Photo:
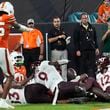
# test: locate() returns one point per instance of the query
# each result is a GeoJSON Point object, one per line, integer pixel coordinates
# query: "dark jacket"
{"type": "Point", "coordinates": [85, 39]}
{"type": "Point", "coordinates": [60, 44]}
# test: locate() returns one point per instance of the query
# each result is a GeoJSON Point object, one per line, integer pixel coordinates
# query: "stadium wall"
{"type": "Point", "coordinates": [44, 10]}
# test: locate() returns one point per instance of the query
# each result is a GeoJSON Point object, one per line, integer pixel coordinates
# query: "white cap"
{"type": "Point", "coordinates": [30, 21]}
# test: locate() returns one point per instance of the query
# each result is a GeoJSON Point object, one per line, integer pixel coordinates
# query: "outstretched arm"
{"type": "Point", "coordinates": [105, 35]}
{"type": "Point", "coordinates": [21, 27]}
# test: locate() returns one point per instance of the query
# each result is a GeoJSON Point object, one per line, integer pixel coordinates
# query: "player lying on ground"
{"type": "Point", "coordinates": [90, 84]}
{"type": "Point", "coordinates": [47, 75]}
{"type": "Point", "coordinates": [36, 91]}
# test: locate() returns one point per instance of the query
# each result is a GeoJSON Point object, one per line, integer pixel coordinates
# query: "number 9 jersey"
{"type": "Point", "coordinates": [6, 22]}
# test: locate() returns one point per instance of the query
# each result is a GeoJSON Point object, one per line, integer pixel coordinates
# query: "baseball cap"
{"type": "Point", "coordinates": [30, 21]}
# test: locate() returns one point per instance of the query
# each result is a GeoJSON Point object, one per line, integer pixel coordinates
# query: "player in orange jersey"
{"type": "Point", "coordinates": [7, 20]}
{"type": "Point", "coordinates": [18, 63]}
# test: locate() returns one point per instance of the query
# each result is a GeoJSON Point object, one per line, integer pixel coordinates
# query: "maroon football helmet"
{"type": "Point", "coordinates": [103, 63]}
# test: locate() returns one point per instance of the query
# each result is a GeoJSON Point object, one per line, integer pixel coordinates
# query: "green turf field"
{"type": "Point", "coordinates": [87, 106]}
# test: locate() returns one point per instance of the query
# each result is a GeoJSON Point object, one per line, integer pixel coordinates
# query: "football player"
{"type": "Point", "coordinates": [34, 92]}
{"type": "Point", "coordinates": [47, 75]}
{"type": "Point", "coordinates": [89, 83]}
{"type": "Point", "coordinates": [103, 77]}
{"type": "Point", "coordinates": [30, 93]}
{"type": "Point", "coordinates": [18, 63]}
{"type": "Point", "coordinates": [49, 84]}
{"type": "Point", "coordinates": [27, 91]}
{"type": "Point", "coordinates": [7, 20]}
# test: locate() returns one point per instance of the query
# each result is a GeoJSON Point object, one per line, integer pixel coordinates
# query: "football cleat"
{"type": "Point", "coordinates": [5, 105]}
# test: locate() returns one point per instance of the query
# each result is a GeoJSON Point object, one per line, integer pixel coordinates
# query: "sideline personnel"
{"type": "Point", "coordinates": [57, 39]}
{"type": "Point", "coordinates": [86, 46]}
{"type": "Point", "coordinates": [33, 46]}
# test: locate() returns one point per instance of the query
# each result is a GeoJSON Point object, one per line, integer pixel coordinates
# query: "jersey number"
{"type": "Point", "coordinates": [2, 31]}
{"type": "Point", "coordinates": [105, 80]}
{"type": "Point", "coordinates": [14, 95]}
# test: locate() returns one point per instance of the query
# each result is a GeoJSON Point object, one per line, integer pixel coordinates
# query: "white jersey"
{"type": "Point", "coordinates": [104, 79]}
{"type": "Point", "coordinates": [48, 76]}
{"type": "Point", "coordinates": [16, 96]}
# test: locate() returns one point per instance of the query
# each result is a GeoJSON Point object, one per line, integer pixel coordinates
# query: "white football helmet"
{"type": "Point", "coordinates": [7, 7]}
{"type": "Point", "coordinates": [16, 58]}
